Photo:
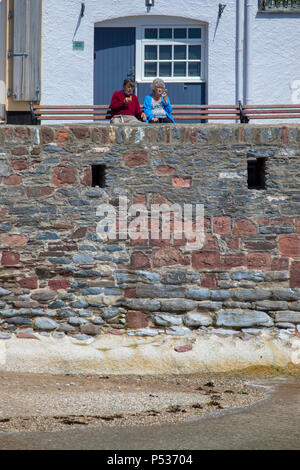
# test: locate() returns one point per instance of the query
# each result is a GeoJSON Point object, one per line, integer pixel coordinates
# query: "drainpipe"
{"type": "Point", "coordinates": [238, 52]}
{"type": "Point", "coordinates": [247, 51]}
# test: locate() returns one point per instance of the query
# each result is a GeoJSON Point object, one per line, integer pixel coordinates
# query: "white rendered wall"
{"type": "Point", "coordinates": [67, 75]}
{"type": "Point", "coordinates": [2, 55]}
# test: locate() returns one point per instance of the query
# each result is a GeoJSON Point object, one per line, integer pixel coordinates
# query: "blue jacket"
{"type": "Point", "coordinates": [148, 108]}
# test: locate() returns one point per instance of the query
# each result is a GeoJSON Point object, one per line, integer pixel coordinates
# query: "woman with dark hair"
{"type": "Point", "coordinates": [157, 105]}
{"type": "Point", "coordinates": [124, 105]}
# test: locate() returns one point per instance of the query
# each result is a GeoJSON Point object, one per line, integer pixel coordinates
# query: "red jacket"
{"type": "Point", "coordinates": [118, 106]}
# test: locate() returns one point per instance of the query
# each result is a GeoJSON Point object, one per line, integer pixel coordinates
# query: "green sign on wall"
{"type": "Point", "coordinates": [78, 45]}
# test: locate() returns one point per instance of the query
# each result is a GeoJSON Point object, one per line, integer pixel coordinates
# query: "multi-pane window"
{"type": "Point", "coordinates": [173, 52]}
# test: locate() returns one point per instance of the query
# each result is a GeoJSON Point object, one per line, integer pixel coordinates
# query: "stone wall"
{"type": "Point", "coordinates": [58, 276]}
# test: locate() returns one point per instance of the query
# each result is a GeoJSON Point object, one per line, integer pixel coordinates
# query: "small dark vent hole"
{"type": "Point", "coordinates": [256, 173]}
{"type": "Point", "coordinates": [98, 175]}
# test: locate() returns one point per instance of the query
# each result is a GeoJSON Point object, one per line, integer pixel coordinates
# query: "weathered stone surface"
{"type": "Point", "coordinates": [141, 304]}
{"type": "Point", "coordinates": [288, 316]}
{"type": "Point", "coordinates": [4, 292]}
{"type": "Point", "coordinates": [286, 294]}
{"type": "Point", "coordinates": [42, 323]}
{"type": "Point", "coordinates": [197, 319]}
{"type": "Point", "coordinates": [272, 305]}
{"type": "Point", "coordinates": [250, 294]}
{"type": "Point", "coordinates": [160, 291]}
{"type": "Point", "coordinates": [164, 319]}
{"type": "Point", "coordinates": [43, 295]}
{"type": "Point", "coordinates": [178, 305]}
{"type": "Point", "coordinates": [243, 318]}
{"type": "Point", "coordinates": [198, 294]}
{"type": "Point", "coordinates": [90, 329]}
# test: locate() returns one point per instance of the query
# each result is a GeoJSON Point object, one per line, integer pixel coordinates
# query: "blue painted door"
{"type": "Point", "coordinates": [179, 93]}
{"type": "Point", "coordinates": [114, 60]}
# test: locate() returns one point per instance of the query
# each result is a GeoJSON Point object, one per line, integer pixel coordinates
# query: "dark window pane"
{"type": "Point", "coordinates": [179, 52]}
{"type": "Point", "coordinates": [194, 69]}
{"type": "Point", "coordinates": [165, 69]}
{"type": "Point", "coordinates": [150, 52]}
{"type": "Point", "coordinates": [150, 69]}
{"type": "Point", "coordinates": [165, 52]}
{"type": "Point", "coordinates": [150, 33]}
{"type": "Point", "coordinates": [179, 33]}
{"type": "Point", "coordinates": [179, 69]}
{"type": "Point", "coordinates": [194, 33]}
{"type": "Point", "coordinates": [195, 52]}
{"type": "Point", "coordinates": [165, 33]}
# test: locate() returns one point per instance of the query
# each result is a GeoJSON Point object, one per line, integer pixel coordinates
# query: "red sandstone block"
{"type": "Point", "coordinates": [61, 136]}
{"type": "Point", "coordinates": [130, 293]}
{"type": "Point", "coordinates": [63, 175]}
{"type": "Point", "coordinates": [135, 158]}
{"type": "Point", "coordinates": [81, 132]}
{"type": "Point", "coordinates": [19, 164]}
{"type": "Point", "coordinates": [136, 319]}
{"type": "Point", "coordinates": [39, 191]}
{"type": "Point", "coordinates": [21, 132]}
{"type": "Point", "coordinates": [207, 225]}
{"type": "Point", "coordinates": [29, 282]}
{"type": "Point", "coordinates": [47, 134]}
{"type": "Point", "coordinates": [87, 177]}
{"type": "Point", "coordinates": [211, 243]}
{"type": "Point", "coordinates": [258, 261]}
{"type": "Point", "coordinates": [79, 233]}
{"type": "Point", "coordinates": [279, 264]}
{"type": "Point", "coordinates": [183, 348]}
{"type": "Point", "coordinates": [222, 225]}
{"type": "Point", "coordinates": [168, 256]}
{"type": "Point", "coordinates": [244, 227]}
{"type": "Point", "coordinates": [297, 224]}
{"type": "Point", "coordinates": [25, 335]}
{"type": "Point", "coordinates": [233, 260]}
{"type": "Point", "coordinates": [19, 151]}
{"type": "Point", "coordinates": [9, 258]}
{"type": "Point", "coordinates": [13, 180]}
{"type": "Point", "coordinates": [285, 135]}
{"type": "Point", "coordinates": [182, 181]}
{"type": "Point", "coordinates": [263, 221]}
{"type": "Point", "coordinates": [13, 240]}
{"type": "Point", "coordinates": [295, 274]}
{"type": "Point", "coordinates": [139, 199]}
{"type": "Point", "coordinates": [139, 260]}
{"type": "Point", "coordinates": [56, 284]}
{"type": "Point", "coordinates": [233, 243]}
{"type": "Point", "coordinates": [289, 245]}
{"type": "Point", "coordinates": [141, 240]}
{"type": "Point", "coordinates": [206, 260]}
{"type": "Point", "coordinates": [209, 280]}
{"type": "Point", "coordinates": [164, 170]}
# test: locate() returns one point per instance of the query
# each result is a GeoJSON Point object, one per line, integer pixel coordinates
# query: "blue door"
{"type": "Point", "coordinates": [114, 60]}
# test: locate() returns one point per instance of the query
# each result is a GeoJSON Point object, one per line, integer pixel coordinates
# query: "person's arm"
{"type": "Point", "coordinates": [148, 108]}
{"type": "Point", "coordinates": [167, 106]}
{"type": "Point", "coordinates": [117, 103]}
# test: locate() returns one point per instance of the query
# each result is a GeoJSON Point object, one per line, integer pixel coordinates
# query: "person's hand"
{"type": "Point", "coordinates": [128, 99]}
{"type": "Point", "coordinates": [154, 120]}
{"type": "Point", "coordinates": [143, 116]}
{"type": "Point", "coordinates": [164, 95]}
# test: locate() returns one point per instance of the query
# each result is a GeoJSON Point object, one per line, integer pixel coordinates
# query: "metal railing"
{"type": "Point", "coordinates": [279, 5]}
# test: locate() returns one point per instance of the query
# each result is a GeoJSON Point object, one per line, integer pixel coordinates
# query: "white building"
{"type": "Point", "coordinates": [206, 52]}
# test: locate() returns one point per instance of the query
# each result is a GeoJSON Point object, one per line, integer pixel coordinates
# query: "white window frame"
{"type": "Point", "coordinates": [141, 42]}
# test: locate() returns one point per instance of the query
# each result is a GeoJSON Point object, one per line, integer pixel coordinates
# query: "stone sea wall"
{"type": "Point", "coordinates": [59, 277]}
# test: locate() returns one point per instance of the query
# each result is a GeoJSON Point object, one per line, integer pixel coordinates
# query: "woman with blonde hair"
{"type": "Point", "coordinates": [157, 106]}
